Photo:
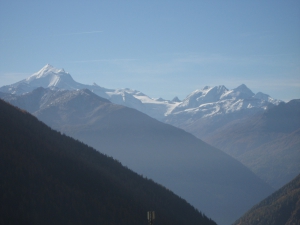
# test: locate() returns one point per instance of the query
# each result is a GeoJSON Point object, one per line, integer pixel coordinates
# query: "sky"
{"type": "Point", "coordinates": [161, 48]}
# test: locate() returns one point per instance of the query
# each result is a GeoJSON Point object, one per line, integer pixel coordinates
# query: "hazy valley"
{"type": "Point", "coordinates": [49, 178]}
{"type": "Point", "coordinates": [258, 136]}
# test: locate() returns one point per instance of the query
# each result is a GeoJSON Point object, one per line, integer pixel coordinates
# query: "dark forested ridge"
{"type": "Point", "coordinates": [206, 177]}
{"type": "Point", "coordinates": [49, 178]}
{"type": "Point", "coordinates": [280, 208]}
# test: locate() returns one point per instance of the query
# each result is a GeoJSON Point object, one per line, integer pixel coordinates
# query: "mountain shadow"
{"type": "Point", "coordinates": [280, 208]}
{"type": "Point", "coordinates": [209, 179]}
{"type": "Point", "coordinates": [49, 178]}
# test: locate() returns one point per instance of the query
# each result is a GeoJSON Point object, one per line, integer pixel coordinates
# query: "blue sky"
{"type": "Point", "coordinates": [162, 48]}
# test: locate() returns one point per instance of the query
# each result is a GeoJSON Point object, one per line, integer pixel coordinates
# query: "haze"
{"type": "Point", "coordinates": [162, 48]}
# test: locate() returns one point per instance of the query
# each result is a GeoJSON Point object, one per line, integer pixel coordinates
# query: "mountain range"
{"type": "Point", "coordinates": [207, 102]}
{"type": "Point", "coordinates": [236, 121]}
{"type": "Point", "coordinates": [205, 176]}
{"type": "Point", "coordinates": [49, 178]}
{"type": "Point", "coordinates": [205, 110]}
{"type": "Point", "coordinates": [209, 114]}
{"type": "Point", "coordinates": [54, 79]}
{"type": "Point", "coordinates": [268, 143]}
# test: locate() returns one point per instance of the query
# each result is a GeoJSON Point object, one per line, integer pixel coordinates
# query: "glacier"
{"type": "Point", "coordinates": [201, 103]}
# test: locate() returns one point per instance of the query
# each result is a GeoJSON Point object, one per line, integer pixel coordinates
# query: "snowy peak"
{"type": "Point", "coordinates": [241, 92]}
{"type": "Point", "coordinates": [47, 67]}
{"type": "Point", "coordinates": [176, 99]}
{"type": "Point", "coordinates": [214, 94]}
{"type": "Point", "coordinates": [44, 72]}
{"type": "Point", "coordinates": [206, 101]}
{"type": "Point", "coordinates": [262, 96]}
{"type": "Point", "coordinates": [49, 76]}
{"type": "Point", "coordinates": [267, 98]}
{"type": "Point", "coordinates": [217, 100]}
{"type": "Point", "coordinates": [205, 95]}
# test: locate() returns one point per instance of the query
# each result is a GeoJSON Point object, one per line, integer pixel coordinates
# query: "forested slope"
{"type": "Point", "coordinates": [49, 178]}
{"type": "Point", "coordinates": [280, 208]}
{"type": "Point", "coordinates": [206, 177]}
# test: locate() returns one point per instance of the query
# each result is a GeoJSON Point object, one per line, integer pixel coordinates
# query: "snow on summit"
{"type": "Point", "coordinates": [208, 101]}
{"type": "Point", "coordinates": [49, 76]}
{"type": "Point", "coordinates": [45, 71]}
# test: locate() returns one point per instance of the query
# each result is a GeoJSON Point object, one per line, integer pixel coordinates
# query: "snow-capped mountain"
{"type": "Point", "coordinates": [164, 153]}
{"type": "Point", "coordinates": [48, 76]}
{"type": "Point", "coordinates": [221, 100]}
{"type": "Point", "coordinates": [206, 102]}
{"type": "Point", "coordinates": [59, 79]}
{"type": "Point", "coordinates": [207, 109]}
{"type": "Point", "coordinates": [52, 78]}
{"type": "Point", "coordinates": [156, 108]}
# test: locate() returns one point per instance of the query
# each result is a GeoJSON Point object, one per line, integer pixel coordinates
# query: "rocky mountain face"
{"type": "Point", "coordinates": [206, 177]}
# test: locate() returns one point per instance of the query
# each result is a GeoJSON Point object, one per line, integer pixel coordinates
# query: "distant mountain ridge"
{"type": "Point", "coordinates": [204, 113]}
{"type": "Point", "coordinates": [268, 143]}
{"type": "Point", "coordinates": [209, 101]}
{"type": "Point", "coordinates": [206, 177]}
{"type": "Point", "coordinates": [52, 78]}
{"type": "Point", "coordinates": [205, 110]}
{"type": "Point", "coordinates": [215, 114]}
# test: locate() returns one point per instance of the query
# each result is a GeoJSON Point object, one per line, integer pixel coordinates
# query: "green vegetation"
{"type": "Point", "coordinates": [281, 208]}
{"type": "Point", "coordinates": [49, 178]}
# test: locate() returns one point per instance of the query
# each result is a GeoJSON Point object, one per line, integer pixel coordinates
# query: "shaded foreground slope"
{"type": "Point", "coordinates": [281, 208]}
{"type": "Point", "coordinates": [206, 177]}
{"type": "Point", "coordinates": [49, 178]}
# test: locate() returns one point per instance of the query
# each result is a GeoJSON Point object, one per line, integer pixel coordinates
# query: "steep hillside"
{"type": "Point", "coordinates": [281, 208]}
{"type": "Point", "coordinates": [210, 180]}
{"type": "Point", "coordinates": [268, 143]}
{"type": "Point", "coordinates": [49, 178]}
